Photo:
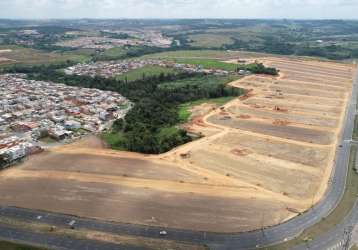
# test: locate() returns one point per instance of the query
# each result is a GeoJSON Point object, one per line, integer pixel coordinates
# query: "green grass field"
{"type": "Point", "coordinates": [4, 245]}
{"type": "Point", "coordinates": [208, 63]}
{"type": "Point", "coordinates": [115, 53]}
{"type": "Point", "coordinates": [338, 214]}
{"type": "Point", "coordinates": [209, 40]}
{"type": "Point", "coordinates": [113, 140]}
{"type": "Point", "coordinates": [200, 82]}
{"type": "Point", "coordinates": [184, 109]}
{"type": "Point", "coordinates": [146, 71]}
{"type": "Point", "coordinates": [27, 56]}
{"type": "Point", "coordinates": [209, 59]}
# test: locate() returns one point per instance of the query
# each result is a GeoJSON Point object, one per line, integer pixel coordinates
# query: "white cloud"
{"type": "Point", "coordinates": [178, 8]}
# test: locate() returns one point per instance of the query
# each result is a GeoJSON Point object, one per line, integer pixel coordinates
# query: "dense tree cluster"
{"type": "Point", "coordinates": [150, 128]}
{"type": "Point", "coordinates": [259, 68]}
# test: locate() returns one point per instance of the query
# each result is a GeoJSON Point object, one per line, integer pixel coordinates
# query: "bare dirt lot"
{"type": "Point", "coordinates": [4, 60]}
{"type": "Point", "coordinates": [263, 156]}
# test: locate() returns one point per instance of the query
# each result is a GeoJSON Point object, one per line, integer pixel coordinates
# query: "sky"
{"type": "Point", "coordinates": [295, 9]}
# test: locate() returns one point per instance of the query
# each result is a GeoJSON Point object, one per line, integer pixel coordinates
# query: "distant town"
{"type": "Point", "coordinates": [132, 38]}
{"type": "Point", "coordinates": [34, 110]}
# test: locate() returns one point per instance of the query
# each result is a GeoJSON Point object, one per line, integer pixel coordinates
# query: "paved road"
{"type": "Point", "coordinates": [249, 240]}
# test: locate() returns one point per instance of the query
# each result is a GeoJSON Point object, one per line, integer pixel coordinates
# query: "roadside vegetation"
{"type": "Point", "coordinates": [5, 245]}
{"type": "Point", "coordinates": [355, 129]}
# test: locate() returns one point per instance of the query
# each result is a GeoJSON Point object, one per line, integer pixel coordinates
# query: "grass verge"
{"type": "Point", "coordinates": [355, 130]}
{"type": "Point", "coordinates": [338, 214]}
{"type": "Point", "coordinates": [5, 245]}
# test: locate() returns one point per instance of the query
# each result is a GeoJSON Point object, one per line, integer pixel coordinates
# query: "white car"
{"type": "Point", "coordinates": [163, 233]}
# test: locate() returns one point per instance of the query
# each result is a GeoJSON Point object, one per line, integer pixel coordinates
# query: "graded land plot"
{"type": "Point", "coordinates": [265, 157]}
{"type": "Point", "coordinates": [261, 171]}
{"type": "Point", "coordinates": [326, 110]}
{"type": "Point", "coordinates": [4, 60]}
{"type": "Point", "coordinates": [316, 78]}
{"type": "Point", "coordinates": [312, 86]}
{"type": "Point", "coordinates": [310, 99]}
{"type": "Point", "coordinates": [306, 91]}
{"type": "Point", "coordinates": [300, 118]}
{"type": "Point", "coordinates": [140, 205]}
{"type": "Point", "coordinates": [282, 129]}
{"type": "Point", "coordinates": [292, 152]}
{"type": "Point", "coordinates": [107, 165]}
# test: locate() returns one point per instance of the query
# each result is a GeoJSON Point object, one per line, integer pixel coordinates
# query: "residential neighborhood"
{"type": "Point", "coordinates": [32, 110]}
{"type": "Point", "coordinates": [98, 43]}
{"type": "Point", "coordinates": [109, 69]}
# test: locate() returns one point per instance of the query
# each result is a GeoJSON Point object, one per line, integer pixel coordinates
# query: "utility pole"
{"type": "Point", "coordinates": [347, 236]}
{"type": "Point", "coordinates": [312, 202]}
{"type": "Point", "coordinates": [263, 224]}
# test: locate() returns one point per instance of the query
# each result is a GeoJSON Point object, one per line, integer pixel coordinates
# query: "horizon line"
{"type": "Point", "coordinates": [179, 18]}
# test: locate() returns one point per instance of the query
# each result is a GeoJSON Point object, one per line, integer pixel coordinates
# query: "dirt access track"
{"type": "Point", "coordinates": [266, 157]}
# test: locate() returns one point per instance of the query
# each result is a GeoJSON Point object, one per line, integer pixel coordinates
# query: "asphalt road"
{"type": "Point", "coordinates": [248, 240]}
